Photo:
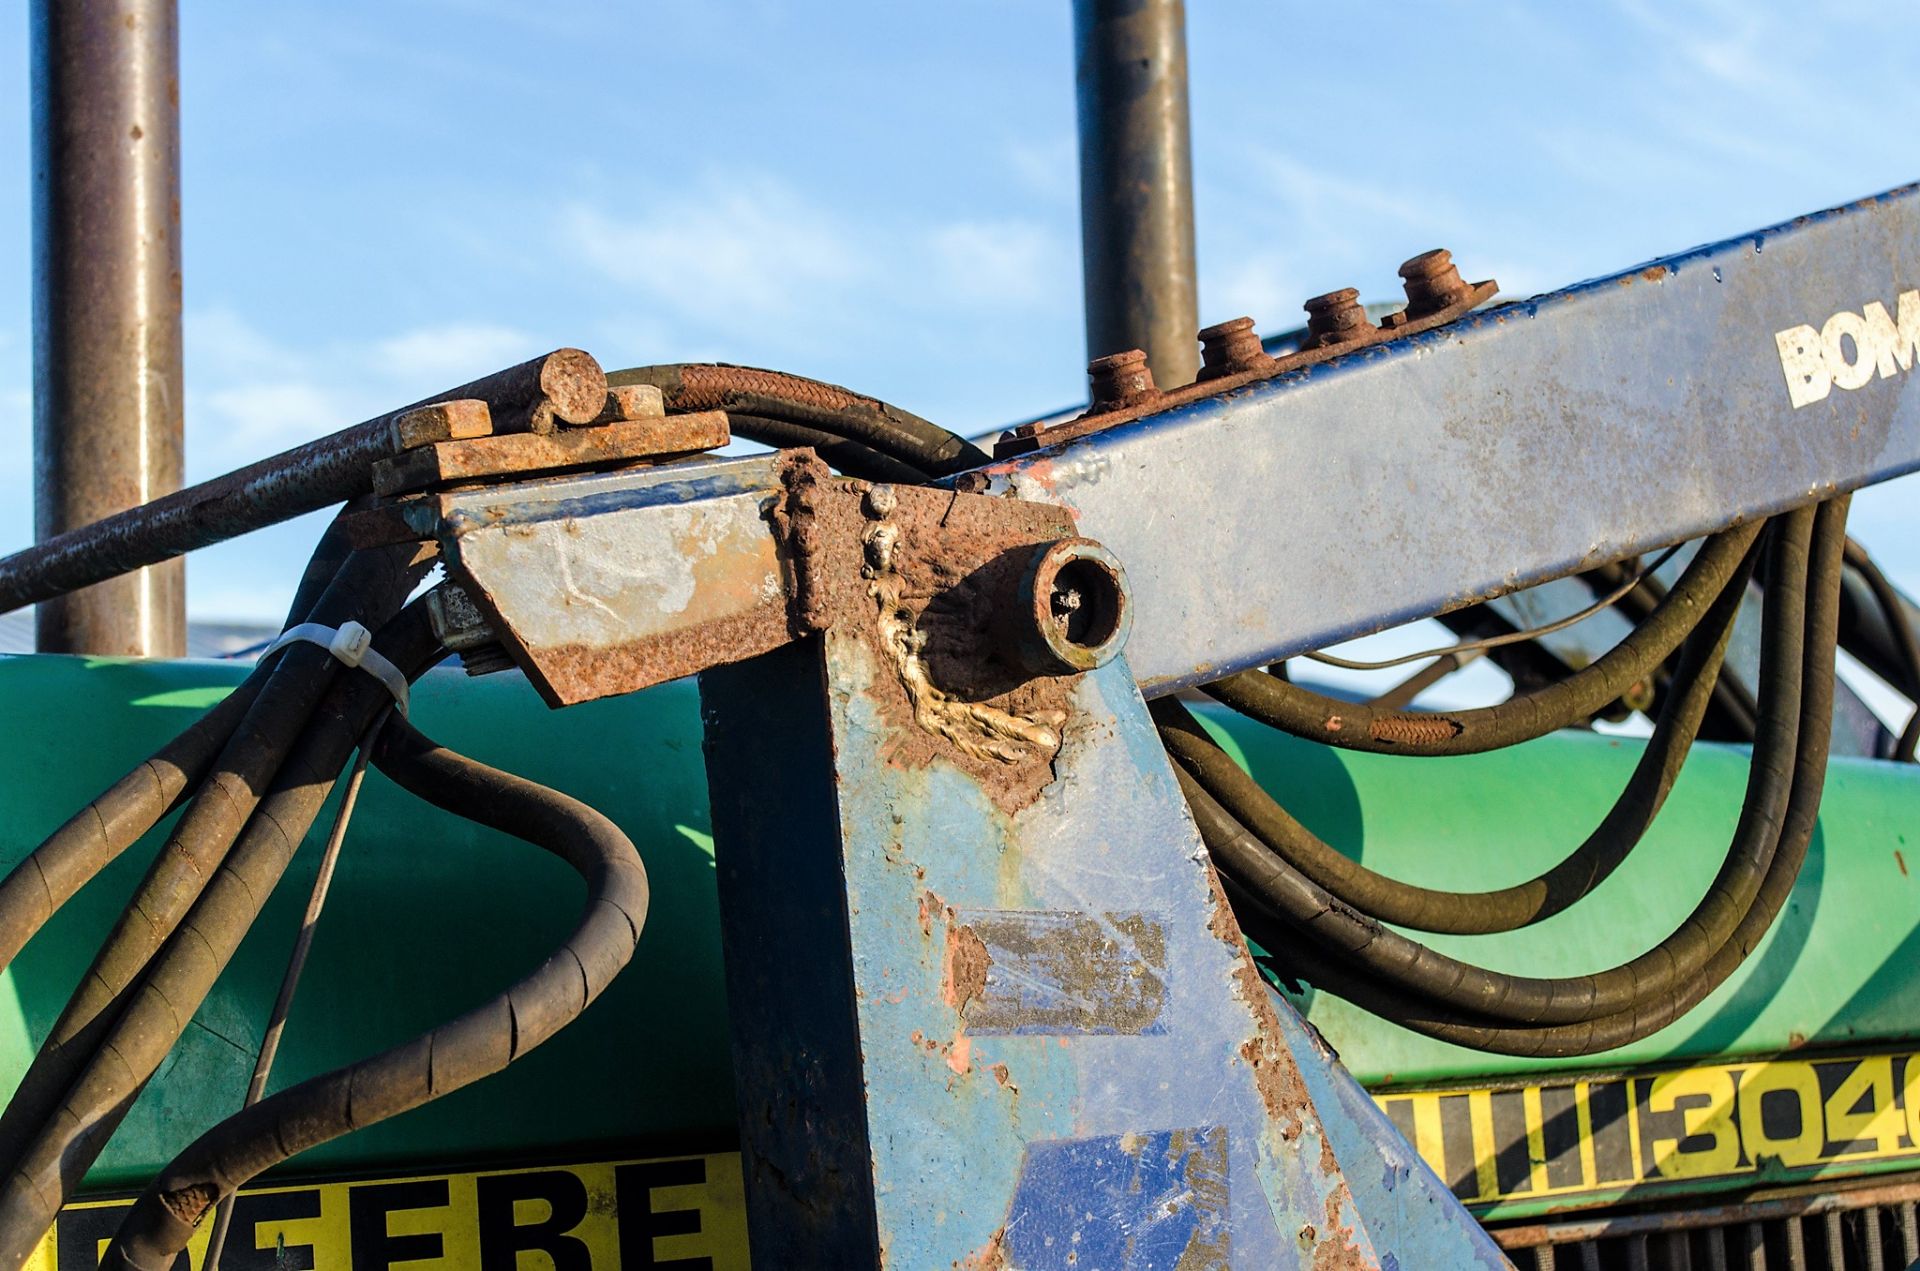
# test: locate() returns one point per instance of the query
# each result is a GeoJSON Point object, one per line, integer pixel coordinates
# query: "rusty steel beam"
{"type": "Point", "coordinates": [106, 303]}
{"type": "Point", "coordinates": [1136, 183]}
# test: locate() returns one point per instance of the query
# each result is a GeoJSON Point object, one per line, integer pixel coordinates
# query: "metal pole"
{"type": "Point", "coordinates": [1136, 183]}
{"type": "Point", "coordinates": [106, 302]}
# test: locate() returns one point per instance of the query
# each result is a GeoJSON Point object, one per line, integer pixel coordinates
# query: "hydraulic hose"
{"type": "Point", "coordinates": [1732, 713]}
{"type": "Point", "coordinates": [1417, 969]}
{"type": "Point", "coordinates": [95, 836]}
{"type": "Point", "coordinates": [1357, 726]}
{"type": "Point", "coordinates": [62, 1131]}
{"type": "Point", "coordinates": [475, 1045]}
{"type": "Point", "coordinates": [851, 458]}
{"type": "Point", "coordinates": [1480, 912]}
{"type": "Point", "coordinates": [826, 408]}
{"type": "Point", "coordinates": [369, 587]}
{"type": "Point", "coordinates": [1301, 955]}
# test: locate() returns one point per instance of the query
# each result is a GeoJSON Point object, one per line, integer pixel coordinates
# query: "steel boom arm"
{"type": "Point", "coordinates": [1516, 445]}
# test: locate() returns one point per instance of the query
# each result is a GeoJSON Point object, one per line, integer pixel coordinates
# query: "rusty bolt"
{"type": "Point", "coordinates": [1120, 379]}
{"type": "Point", "coordinates": [1072, 612]}
{"type": "Point", "coordinates": [1231, 348]}
{"type": "Point", "coordinates": [1433, 283]}
{"type": "Point", "coordinates": [1337, 318]}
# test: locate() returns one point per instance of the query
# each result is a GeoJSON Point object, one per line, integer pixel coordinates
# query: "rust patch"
{"type": "Point", "coordinates": [1333, 1247]}
{"type": "Point", "coordinates": [1275, 1075]}
{"type": "Point", "coordinates": [581, 673]}
{"type": "Point", "coordinates": [795, 518]}
{"type": "Point", "coordinates": [189, 1204]}
{"type": "Point", "coordinates": [1654, 273]}
{"type": "Point", "coordinates": [531, 453]}
{"type": "Point", "coordinates": [923, 577]}
{"type": "Point", "coordinates": [967, 963]}
{"type": "Point", "coordinates": [991, 1256]}
{"type": "Point", "coordinates": [1414, 730]}
{"type": "Point", "coordinates": [1030, 437]}
{"type": "Point", "coordinates": [1901, 861]}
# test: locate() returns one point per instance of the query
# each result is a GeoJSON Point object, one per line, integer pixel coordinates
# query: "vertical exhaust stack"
{"type": "Point", "coordinates": [107, 418]}
{"type": "Point", "coordinates": [1136, 183]}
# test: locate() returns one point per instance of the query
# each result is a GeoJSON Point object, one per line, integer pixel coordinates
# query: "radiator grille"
{"type": "Point", "coordinates": [1870, 1229]}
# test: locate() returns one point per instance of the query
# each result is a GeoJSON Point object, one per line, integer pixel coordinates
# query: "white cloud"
{"type": "Point", "coordinates": [252, 419]}
{"type": "Point", "coordinates": [744, 251]}
{"type": "Point", "coordinates": [1002, 263]}
{"type": "Point", "coordinates": [452, 354]}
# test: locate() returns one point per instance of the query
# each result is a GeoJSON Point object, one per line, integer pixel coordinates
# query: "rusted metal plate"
{"type": "Point", "coordinates": [604, 584]}
{"type": "Point", "coordinates": [530, 453]}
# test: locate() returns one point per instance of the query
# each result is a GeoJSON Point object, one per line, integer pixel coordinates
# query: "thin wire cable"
{"type": "Point", "coordinates": [297, 964]}
{"type": "Point", "coordinates": [1511, 637]}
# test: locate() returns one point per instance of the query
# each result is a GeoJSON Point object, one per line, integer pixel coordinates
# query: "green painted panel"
{"type": "Point", "coordinates": [429, 915]}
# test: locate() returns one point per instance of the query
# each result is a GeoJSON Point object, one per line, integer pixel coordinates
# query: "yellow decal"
{"type": "Point", "coordinates": [1562, 1137]}
{"type": "Point", "coordinates": [686, 1213]}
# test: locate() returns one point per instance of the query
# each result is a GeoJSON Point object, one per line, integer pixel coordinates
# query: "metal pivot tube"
{"type": "Point", "coordinates": [1513, 446]}
{"type": "Point", "coordinates": [1136, 183]}
{"type": "Point", "coordinates": [106, 303]}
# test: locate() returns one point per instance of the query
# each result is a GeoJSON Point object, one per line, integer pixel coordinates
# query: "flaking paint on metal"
{"type": "Point", "coordinates": [952, 1112]}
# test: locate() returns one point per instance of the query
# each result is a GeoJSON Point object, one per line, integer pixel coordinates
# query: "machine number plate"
{"type": "Point", "coordinates": [1753, 1121]}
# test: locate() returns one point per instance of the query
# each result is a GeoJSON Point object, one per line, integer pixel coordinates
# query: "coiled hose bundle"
{"type": "Point", "coordinates": [250, 777]}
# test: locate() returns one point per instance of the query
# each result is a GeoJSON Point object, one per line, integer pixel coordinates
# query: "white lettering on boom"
{"type": "Point", "coordinates": [1849, 349]}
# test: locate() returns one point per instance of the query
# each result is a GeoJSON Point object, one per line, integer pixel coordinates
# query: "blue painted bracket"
{"type": "Point", "coordinates": [971, 1032]}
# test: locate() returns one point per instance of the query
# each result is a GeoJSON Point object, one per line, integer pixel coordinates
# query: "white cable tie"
{"type": "Point", "coordinates": [351, 644]}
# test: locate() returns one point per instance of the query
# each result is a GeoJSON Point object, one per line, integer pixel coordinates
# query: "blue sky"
{"type": "Point", "coordinates": [384, 199]}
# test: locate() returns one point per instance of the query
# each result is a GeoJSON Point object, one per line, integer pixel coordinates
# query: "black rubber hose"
{"type": "Point", "coordinates": [1301, 956]}
{"type": "Point", "coordinates": [1732, 715]}
{"type": "Point", "coordinates": [848, 457]}
{"type": "Point", "coordinates": [1500, 909]}
{"type": "Point", "coordinates": [746, 390]}
{"type": "Point", "coordinates": [122, 1047]}
{"type": "Point", "coordinates": [329, 554]}
{"type": "Point", "coordinates": [1356, 726]}
{"type": "Point", "coordinates": [368, 588]}
{"type": "Point", "coordinates": [95, 836]}
{"type": "Point", "coordinates": [1417, 969]}
{"type": "Point", "coordinates": [475, 1045]}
